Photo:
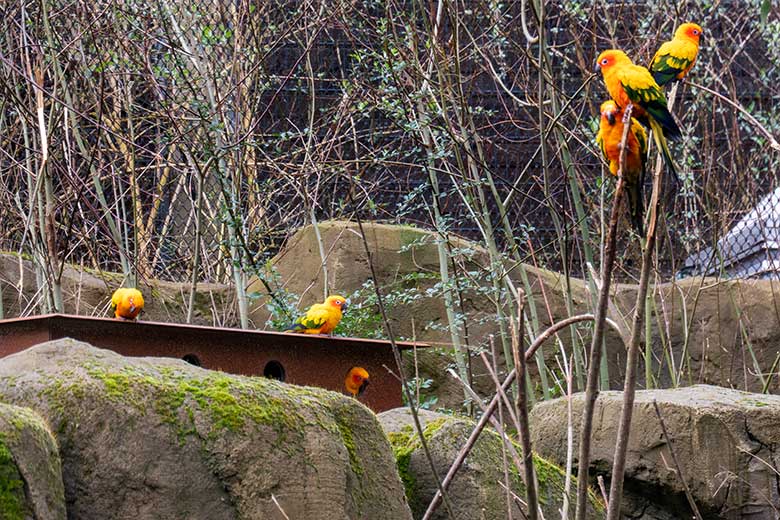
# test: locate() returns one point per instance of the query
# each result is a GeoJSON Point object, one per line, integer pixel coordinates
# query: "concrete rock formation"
{"type": "Point", "coordinates": [715, 326]}
{"type": "Point", "coordinates": [475, 493]}
{"type": "Point", "coordinates": [30, 471]}
{"type": "Point", "coordinates": [726, 441]}
{"type": "Point", "coordinates": [159, 438]}
{"type": "Point", "coordinates": [88, 292]}
{"type": "Point", "coordinates": [406, 258]}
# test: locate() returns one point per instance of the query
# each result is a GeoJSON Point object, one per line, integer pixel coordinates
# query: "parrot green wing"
{"type": "Point", "coordinates": [644, 92]}
{"type": "Point", "coordinates": [315, 317]}
{"type": "Point", "coordinates": [666, 68]}
{"type": "Point", "coordinates": [641, 137]}
{"type": "Point", "coordinates": [672, 59]}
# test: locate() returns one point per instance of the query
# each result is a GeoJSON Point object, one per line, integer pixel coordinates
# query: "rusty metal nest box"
{"type": "Point", "coordinates": [293, 358]}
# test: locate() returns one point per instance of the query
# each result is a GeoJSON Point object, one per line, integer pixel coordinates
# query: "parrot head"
{"type": "Point", "coordinates": [337, 301]}
{"type": "Point", "coordinates": [609, 59]}
{"type": "Point", "coordinates": [135, 301]}
{"type": "Point", "coordinates": [609, 112]}
{"type": "Point", "coordinates": [689, 31]}
{"type": "Point", "coordinates": [356, 381]}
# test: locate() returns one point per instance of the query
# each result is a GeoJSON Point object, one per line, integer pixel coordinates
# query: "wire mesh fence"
{"type": "Point", "coordinates": [184, 140]}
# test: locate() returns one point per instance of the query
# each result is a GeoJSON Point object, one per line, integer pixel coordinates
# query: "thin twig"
{"type": "Point", "coordinates": [568, 371]}
{"type": "Point", "coordinates": [677, 467]}
{"type": "Point", "coordinates": [603, 489]}
{"type": "Point", "coordinates": [494, 376]}
{"type": "Point", "coordinates": [400, 366]}
{"type": "Point", "coordinates": [491, 407]}
{"type": "Point", "coordinates": [629, 388]}
{"type": "Point", "coordinates": [279, 507]}
{"type": "Point", "coordinates": [772, 141]}
{"type": "Point", "coordinates": [496, 423]}
{"type": "Point", "coordinates": [522, 414]}
{"type": "Point", "coordinates": [592, 385]}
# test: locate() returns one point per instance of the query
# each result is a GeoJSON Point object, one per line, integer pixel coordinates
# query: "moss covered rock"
{"type": "Point", "coordinates": [30, 471]}
{"type": "Point", "coordinates": [476, 492]}
{"type": "Point", "coordinates": [726, 442]}
{"type": "Point", "coordinates": [159, 438]}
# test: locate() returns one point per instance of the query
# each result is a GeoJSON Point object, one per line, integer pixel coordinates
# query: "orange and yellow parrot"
{"type": "Point", "coordinates": [356, 381]}
{"type": "Point", "coordinates": [321, 318]}
{"type": "Point", "coordinates": [675, 58]}
{"type": "Point", "coordinates": [633, 84]}
{"type": "Point", "coordinates": [127, 303]}
{"type": "Point", "coordinates": [609, 139]}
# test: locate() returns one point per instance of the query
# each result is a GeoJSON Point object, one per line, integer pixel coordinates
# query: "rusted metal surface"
{"type": "Point", "coordinates": [306, 359]}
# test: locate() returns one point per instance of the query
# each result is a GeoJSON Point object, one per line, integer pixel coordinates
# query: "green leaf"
{"type": "Point", "coordinates": [766, 6]}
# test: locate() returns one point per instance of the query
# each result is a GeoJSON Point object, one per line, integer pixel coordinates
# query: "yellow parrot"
{"type": "Point", "coordinates": [356, 381]}
{"type": "Point", "coordinates": [675, 58]}
{"type": "Point", "coordinates": [321, 318]}
{"type": "Point", "coordinates": [633, 84]}
{"type": "Point", "coordinates": [609, 139]}
{"type": "Point", "coordinates": [127, 303]}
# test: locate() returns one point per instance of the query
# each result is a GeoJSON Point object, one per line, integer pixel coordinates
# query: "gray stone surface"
{"type": "Point", "coordinates": [88, 292]}
{"type": "Point", "coordinates": [159, 438]}
{"type": "Point", "coordinates": [30, 471]}
{"type": "Point", "coordinates": [476, 492]}
{"type": "Point", "coordinates": [727, 443]}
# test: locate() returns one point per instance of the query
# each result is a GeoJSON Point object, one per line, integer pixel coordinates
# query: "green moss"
{"type": "Point", "coordinates": [22, 255]}
{"type": "Point", "coordinates": [349, 444]}
{"type": "Point", "coordinates": [57, 394]}
{"type": "Point", "coordinates": [13, 505]}
{"type": "Point", "coordinates": [227, 400]}
{"type": "Point", "coordinates": [411, 236]}
{"type": "Point", "coordinates": [404, 443]}
{"type": "Point", "coordinates": [155, 294]}
{"type": "Point", "coordinates": [551, 478]}
{"type": "Point", "coordinates": [21, 418]}
{"type": "Point", "coordinates": [753, 402]}
{"type": "Point", "coordinates": [434, 426]}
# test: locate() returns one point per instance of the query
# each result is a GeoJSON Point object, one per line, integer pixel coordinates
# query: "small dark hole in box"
{"type": "Point", "coordinates": [274, 370]}
{"type": "Point", "coordinates": [192, 359]}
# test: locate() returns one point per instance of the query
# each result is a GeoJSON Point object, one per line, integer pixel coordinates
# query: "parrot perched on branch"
{"type": "Point", "coordinates": [675, 58]}
{"type": "Point", "coordinates": [321, 318]}
{"type": "Point", "coordinates": [609, 139]}
{"type": "Point", "coordinates": [356, 381]}
{"type": "Point", "coordinates": [127, 303]}
{"type": "Point", "coordinates": [633, 84]}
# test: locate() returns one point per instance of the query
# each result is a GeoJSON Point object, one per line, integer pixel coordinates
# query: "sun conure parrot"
{"type": "Point", "coordinates": [629, 83]}
{"type": "Point", "coordinates": [321, 318]}
{"type": "Point", "coordinates": [127, 303]}
{"type": "Point", "coordinates": [356, 381]}
{"type": "Point", "coordinates": [609, 139]}
{"type": "Point", "coordinates": [675, 58]}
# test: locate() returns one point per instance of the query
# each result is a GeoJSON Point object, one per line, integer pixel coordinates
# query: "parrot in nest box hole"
{"type": "Point", "coordinates": [321, 318]}
{"type": "Point", "coordinates": [609, 139]}
{"type": "Point", "coordinates": [356, 381]}
{"type": "Point", "coordinates": [633, 84]}
{"type": "Point", "coordinates": [676, 57]}
{"type": "Point", "coordinates": [127, 303]}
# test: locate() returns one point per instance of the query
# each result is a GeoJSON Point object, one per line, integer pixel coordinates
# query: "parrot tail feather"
{"type": "Point", "coordinates": [664, 77]}
{"type": "Point", "coordinates": [295, 327]}
{"type": "Point", "coordinates": [665, 120]}
{"type": "Point", "coordinates": [636, 207]}
{"type": "Point", "coordinates": [663, 146]}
